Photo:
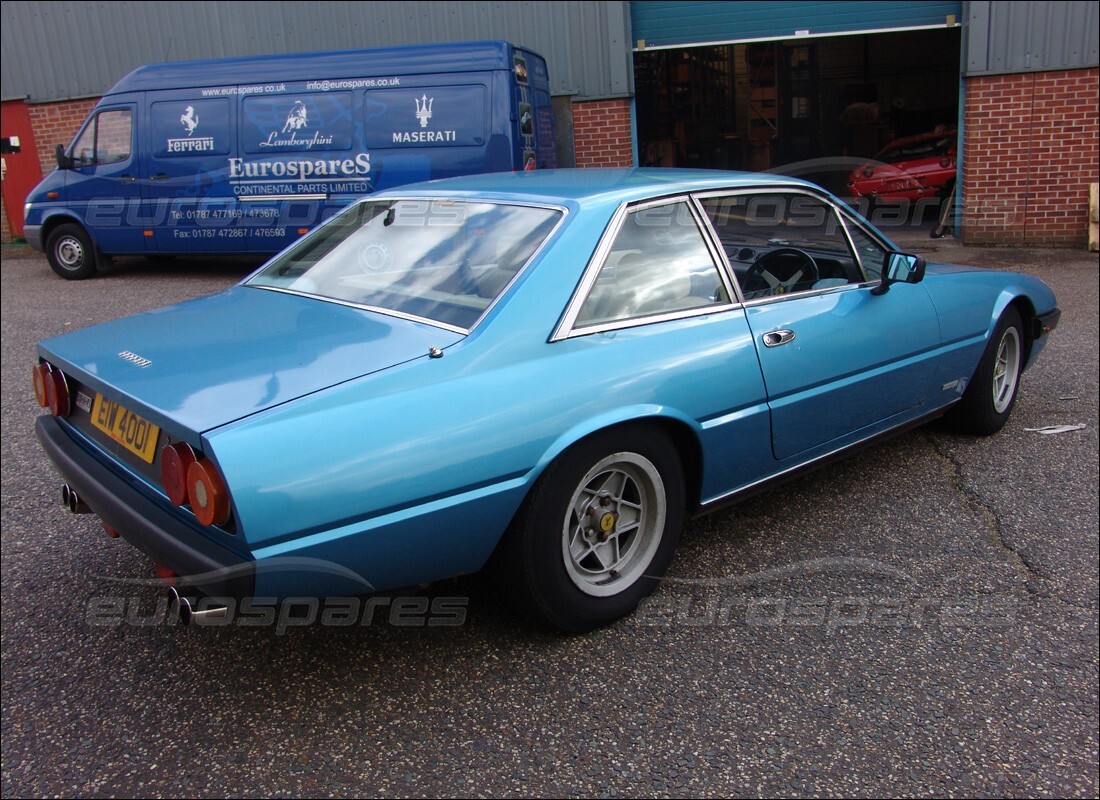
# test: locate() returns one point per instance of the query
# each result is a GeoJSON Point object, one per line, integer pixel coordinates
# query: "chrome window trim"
{"type": "Point", "coordinates": [848, 218]}
{"type": "Point", "coordinates": [564, 211]}
{"type": "Point", "coordinates": [851, 244]}
{"type": "Point", "coordinates": [566, 327]}
{"type": "Point", "coordinates": [779, 298]}
{"type": "Point", "coordinates": [718, 253]}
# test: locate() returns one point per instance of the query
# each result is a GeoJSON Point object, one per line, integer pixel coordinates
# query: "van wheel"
{"type": "Point", "coordinates": [71, 253]}
{"type": "Point", "coordinates": [597, 531]}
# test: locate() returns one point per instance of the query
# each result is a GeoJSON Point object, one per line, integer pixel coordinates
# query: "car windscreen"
{"type": "Point", "coordinates": [444, 261]}
{"type": "Point", "coordinates": [924, 148]}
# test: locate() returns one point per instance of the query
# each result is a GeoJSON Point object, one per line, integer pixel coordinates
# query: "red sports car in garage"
{"type": "Point", "coordinates": [909, 169]}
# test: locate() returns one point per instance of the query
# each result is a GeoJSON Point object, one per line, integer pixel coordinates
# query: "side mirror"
{"type": "Point", "coordinates": [63, 161]}
{"type": "Point", "coordinates": [900, 268]}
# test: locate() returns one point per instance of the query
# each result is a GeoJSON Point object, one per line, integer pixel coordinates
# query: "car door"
{"type": "Point", "coordinates": [654, 324]}
{"type": "Point", "coordinates": [838, 358]}
{"type": "Point", "coordinates": [104, 184]}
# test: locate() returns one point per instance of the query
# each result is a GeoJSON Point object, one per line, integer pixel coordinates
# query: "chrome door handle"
{"type": "Point", "coordinates": [776, 338]}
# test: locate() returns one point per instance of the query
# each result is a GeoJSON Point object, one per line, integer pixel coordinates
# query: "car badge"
{"type": "Point", "coordinates": [135, 359]}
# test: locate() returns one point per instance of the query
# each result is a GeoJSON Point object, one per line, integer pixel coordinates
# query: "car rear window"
{"type": "Point", "coordinates": [443, 261]}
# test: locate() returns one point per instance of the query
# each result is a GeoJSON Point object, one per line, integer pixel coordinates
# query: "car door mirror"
{"type": "Point", "coordinates": [900, 268]}
{"type": "Point", "coordinates": [63, 160]}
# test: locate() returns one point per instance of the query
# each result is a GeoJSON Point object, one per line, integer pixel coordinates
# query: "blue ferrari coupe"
{"type": "Point", "coordinates": [540, 372]}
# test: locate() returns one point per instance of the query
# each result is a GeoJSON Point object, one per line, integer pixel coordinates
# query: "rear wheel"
{"type": "Point", "coordinates": [598, 530]}
{"type": "Point", "coordinates": [71, 253]}
{"type": "Point", "coordinates": [989, 398]}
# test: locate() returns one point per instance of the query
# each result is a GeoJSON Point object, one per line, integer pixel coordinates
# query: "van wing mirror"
{"type": "Point", "coordinates": [63, 160]}
{"type": "Point", "coordinates": [900, 268]}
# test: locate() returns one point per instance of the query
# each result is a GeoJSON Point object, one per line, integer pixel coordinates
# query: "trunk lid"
{"type": "Point", "coordinates": [204, 363]}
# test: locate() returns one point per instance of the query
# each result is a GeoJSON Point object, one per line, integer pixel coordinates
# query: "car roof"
{"type": "Point", "coordinates": [600, 185]}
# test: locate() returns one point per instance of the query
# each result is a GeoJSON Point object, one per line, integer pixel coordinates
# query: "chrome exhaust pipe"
{"type": "Point", "coordinates": [71, 500]}
{"type": "Point", "coordinates": [185, 609]}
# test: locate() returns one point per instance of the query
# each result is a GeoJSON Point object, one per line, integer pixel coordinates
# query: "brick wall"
{"type": "Point", "coordinates": [57, 123]}
{"type": "Point", "coordinates": [601, 134]}
{"type": "Point", "coordinates": [1029, 155]}
{"type": "Point", "coordinates": [53, 123]}
{"type": "Point", "coordinates": [6, 234]}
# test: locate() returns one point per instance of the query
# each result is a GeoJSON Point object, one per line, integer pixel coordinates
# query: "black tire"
{"type": "Point", "coordinates": [71, 253]}
{"type": "Point", "coordinates": [991, 394]}
{"type": "Point", "coordinates": [565, 575]}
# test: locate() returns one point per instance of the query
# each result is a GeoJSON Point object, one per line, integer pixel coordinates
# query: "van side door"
{"type": "Point", "coordinates": [189, 204]}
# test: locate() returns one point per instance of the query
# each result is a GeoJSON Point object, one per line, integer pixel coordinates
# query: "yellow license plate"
{"type": "Point", "coordinates": [137, 435]}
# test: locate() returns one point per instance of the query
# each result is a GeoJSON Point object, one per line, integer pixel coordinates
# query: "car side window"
{"type": "Point", "coordinates": [871, 253]}
{"type": "Point", "coordinates": [779, 243]}
{"type": "Point", "coordinates": [658, 264]}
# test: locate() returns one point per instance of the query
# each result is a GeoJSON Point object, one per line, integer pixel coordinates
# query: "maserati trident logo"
{"type": "Point", "coordinates": [135, 359]}
{"type": "Point", "coordinates": [424, 109]}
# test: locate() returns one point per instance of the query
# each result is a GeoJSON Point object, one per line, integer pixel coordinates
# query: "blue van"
{"type": "Point", "coordinates": [244, 155]}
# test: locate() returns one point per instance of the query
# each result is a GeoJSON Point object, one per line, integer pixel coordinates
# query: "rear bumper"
{"type": "Point", "coordinates": [155, 530]}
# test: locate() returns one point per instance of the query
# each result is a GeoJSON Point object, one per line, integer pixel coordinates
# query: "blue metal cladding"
{"type": "Point", "coordinates": [663, 23]}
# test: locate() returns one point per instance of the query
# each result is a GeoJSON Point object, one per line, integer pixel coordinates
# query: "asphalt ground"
{"type": "Point", "coordinates": [920, 620]}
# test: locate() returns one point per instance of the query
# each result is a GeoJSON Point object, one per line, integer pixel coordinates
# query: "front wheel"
{"type": "Point", "coordinates": [71, 253]}
{"type": "Point", "coordinates": [988, 400]}
{"type": "Point", "coordinates": [598, 530]}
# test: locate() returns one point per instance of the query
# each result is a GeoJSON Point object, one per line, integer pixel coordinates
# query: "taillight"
{"type": "Point", "coordinates": [51, 390]}
{"type": "Point", "coordinates": [175, 460]}
{"type": "Point", "coordinates": [945, 162]}
{"type": "Point", "coordinates": [207, 493]}
{"type": "Point", "coordinates": [39, 375]}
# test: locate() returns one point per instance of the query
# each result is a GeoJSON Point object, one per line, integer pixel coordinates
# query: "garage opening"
{"type": "Point", "coordinates": [816, 108]}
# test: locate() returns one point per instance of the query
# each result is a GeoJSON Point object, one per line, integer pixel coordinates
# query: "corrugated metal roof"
{"type": "Point", "coordinates": [56, 50]}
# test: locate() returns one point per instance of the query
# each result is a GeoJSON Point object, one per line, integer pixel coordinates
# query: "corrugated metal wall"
{"type": "Point", "coordinates": [666, 23]}
{"type": "Point", "coordinates": [58, 50]}
{"type": "Point", "coordinates": [1028, 36]}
